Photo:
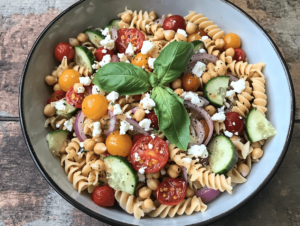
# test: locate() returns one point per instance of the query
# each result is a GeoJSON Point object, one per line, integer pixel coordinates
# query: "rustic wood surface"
{"type": "Point", "coordinates": [27, 199]}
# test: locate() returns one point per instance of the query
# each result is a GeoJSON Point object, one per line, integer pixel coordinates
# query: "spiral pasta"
{"type": "Point", "coordinates": [179, 156]}
{"type": "Point", "coordinates": [242, 149]}
{"type": "Point", "coordinates": [82, 70]}
{"type": "Point", "coordinates": [243, 102]}
{"type": "Point", "coordinates": [219, 127]}
{"type": "Point", "coordinates": [244, 69]}
{"type": "Point", "coordinates": [260, 98]}
{"type": "Point", "coordinates": [187, 206]}
{"type": "Point", "coordinates": [213, 47]}
{"type": "Point", "coordinates": [236, 177]}
{"type": "Point", "coordinates": [57, 122]}
{"type": "Point", "coordinates": [72, 151]}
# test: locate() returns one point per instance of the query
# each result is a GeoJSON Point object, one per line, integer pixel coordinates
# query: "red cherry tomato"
{"type": "Point", "coordinates": [239, 55]}
{"type": "Point", "coordinates": [153, 153]}
{"type": "Point", "coordinates": [174, 23]}
{"type": "Point", "coordinates": [103, 196]}
{"type": "Point", "coordinates": [74, 98]}
{"type": "Point", "coordinates": [234, 123]}
{"type": "Point", "coordinates": [154, 120]}
{"type": "Point", "coordinates": [56, 96]}
{"type": "Point", "coordinates": [171, 191]}
{"type": "Point", "coordinates": [99, 54]}
{"type": "Point", "coordinates": [64, 49]}
{"type": "Point", "coordinates": [126, 36]}
{"type": "Point", "coordinates": [88, 90]}
{"type": "Point", "coordinates": [136, 138]}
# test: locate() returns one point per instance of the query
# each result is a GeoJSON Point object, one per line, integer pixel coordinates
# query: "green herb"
{"type": "Point", "coordinates": [209, 152]}
{"type": "Point", "coordinates": [100, 182]}
{"type": "Point", "coordinates": [81, 150]}
{"type": "Point", "coordinates": [112, 104]}
{"type": "Point", "coordinates": [155, 130]}
{"type": "Point", "coordinates": [128, 79]}
{"type": "Point", "coordinates": [65, 104]}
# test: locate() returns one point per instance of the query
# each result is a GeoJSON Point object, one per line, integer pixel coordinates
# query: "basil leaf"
{"type": "Point", "coordinates": [172, 61]}
{"type": "Point", "coordinates": [172, 116]}
{"type": "Point", "coordinates": [124, 78]}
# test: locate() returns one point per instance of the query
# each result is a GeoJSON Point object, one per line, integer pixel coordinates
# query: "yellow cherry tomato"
{"type": "Point", "coordinates": [141, 60]}
{"type": "Point", "coordinates": [118, 144]}
{"type": "Point", "coordinates": [67, 79]}
{"type": "Point", "coordinates": [94, 106]}
{"type": "Point", "coordinates": [232, 41]}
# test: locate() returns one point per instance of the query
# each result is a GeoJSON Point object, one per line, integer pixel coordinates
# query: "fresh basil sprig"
{"type": "Point", "coordinates": [128, 79]}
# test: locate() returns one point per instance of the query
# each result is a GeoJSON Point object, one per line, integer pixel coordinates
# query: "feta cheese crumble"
{"type": "Point", "coordinates": [130, 49]}
{"type": "Point", "coordinates": [230, 95]}
{"type": "Point", "coordinates": [60, 105]}
{"type": "Point", "coordinates": [228, 134]}
{"type": "Point", "coordinates": [80, 90]}
{"type": "Point", "coordinates": [182, 32]}
{"type": "Point", "coordinates": [105, 60]}
{"type": "Point", "coordinates": [123, 58]}
{"type": "Point", "coordinates": [221, 109]}
{"type": "Point", "coordinates": [81, 144]}
{"type": "Point", "coordinates": [117, 109]}
{"type": "Point", "coordinates": [142, 170]}
{"type": "Point", "coordinates": [204, 38]}
{"type": "Point", "coordinates": [198, 151]}
{"type": "Point", "coordinates": [96, 129]}
{"type": "Point", "coordinates": [69, 124]}
{"type": "Point", "coordinates": [128, 115]}
{"type": "Point", "coordinates": [199, 69]}
{"type": "Point", "coordinates": [136, 157]}
{"type": "Point", "coordinates": [147, 102]}
{"type": "Point", "coordinates": [236, 133]}
{"type": "Point", "coordinates": [104, 51]}
{"type": "Point", "coordinates": [147, 47]}
{"type": "Point", "coordinates": [97, 90]}
{"type": "Point", "coordinates": [113, 96]}
{"type": "Point", "coordinates": [105, 31]}
{"type": "Point", "coordinates": [142, 177]}
{"type": "Point", "coordinates": [193, 97]}
{"type": "Point", "coordinates": [108, 43]}
{"type": "Point", "coordinates": [238, 86]}
{"type": "Point", "coordinates": [86, 81]}
{"type": "Point", "coordinates": [151, 62]}
{"type": "Point", "coordinates": [220, 117]}
{"type": "Point", "coordinates": [147, 111]}
{"type": "Point", "coordinates": [187, 160]}
{"type": "Point", "coordinates": [145, 123]}
{"type": "Point", "coordinates": [150, 146]}
{"type": "Point", "coordinates": [163, 171]}
{"type": "Point", "coordinates": [153, 136]}
{"type": "Point", "coordinates": [202, 51]}
{"type": "Point", "coordinates": [125, 126]}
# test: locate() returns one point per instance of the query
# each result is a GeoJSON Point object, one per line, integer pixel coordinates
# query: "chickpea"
{"type": "Point", "coordinates": [145, 192]}
{"type": "Point", "coordinates": [139, 115]}
{"type": "Point", "coordinates": [56, 87]}
{"type": "Point", "coordinates": [155, 175]}
{"type": "Point", "coordinates": [206, 77]}
{"type": "Point", "coordinates": [229, 52]}
{"type": "Point", "coordinates": [50, 80]}
{"type": "Point", "coordinates": [152, 184]}
{"type": "Point", "coordinates": [219, 43]}
{"type": "Point", "coordinates": [169, 34]}
{"type": "Point", "coordinates": [210, 66]}
{"type": "Point", "coordinates": [190, 193]}
{"type": "Point", "coordinates": [49, 110]}
{"type": "Point", "coordinates": [243, 170]}
{"type": "Point", "coordinates": [82, 37]}
{"type": "Point", "coordinates": [100, 148]}
{"type": "Point", "coordinates": [74, 42]}
{"type": "Point", "coordinates": [55, 74]}
{"type": "Point", "coordinates": [148, 204]}
{"type": "Point", "coordinates": [257, 153]}
{"type": "Point", "coordinates": [152, 15]}
{"type": "Point", "coordinates": [89, 144]}
{"type": "Point", "coordinates": [100, 139]}
{"type": "Point", "coordinates": [76, 86]}
{"type": "Point", "coordinates": [176, 83]}
{"type": "Point", "coordinates": [179, 92]}
{"type": "Point", "coordinates": [180, 37]}
{"type": "Point", "coordinates": [191, 28]}
{"type": "Point", "coordinates": [211, 110]}
{"type": "Point", "coordinates": [212, 73]}
{"type": "Point", "coordinates": [174, 171]}
{"type": "Point", "coordinates": [126, 17]}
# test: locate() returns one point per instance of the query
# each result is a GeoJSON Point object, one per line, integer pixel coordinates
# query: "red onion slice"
{"type": "Point", "coordinates": [207, 194]}
{"type": "Point", "coordinates": [184, 173]}
{"type": "Point", "coordinates": [160, 21]}
{"type": "Point", "coordinates": [202, 113]}
{"type": "Point", "coordinates": [206, 102]}
{"type": "Point", "coordinates": [78, 127]}
{"type": "Point", "coordinates": [115, 58]}
{"type": "Point", "coordinates": [133, 110]}
{"type": "Point", "coordinates": [232, 78]}
{"type": "Point", "coordinates": [136, 126]}
{"type": "Point", "coordinates": [199, 129]}
{"type": "Point", "coordinates": [112, 123]}
{"type": "Point", "coordinates": [114, 33]}
{"type": "Point", "coordinates": [202, 57]}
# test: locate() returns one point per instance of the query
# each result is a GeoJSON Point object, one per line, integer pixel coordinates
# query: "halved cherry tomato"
{"type": "Point", "coordinates": [64, 49]}
{"type": "Point", "coordinates": [154, 154]}
{"type": "Point", "coordinates": [94, 106]}
{"type": "Point", "coordinates": [171, 191]}
{"type": "Point", "coordinates": [74, 98]}
{"type": "Point", "coordinates": [103, 196]}
{"type": "Point", "coordinates": [190, 82]}
{"type": "Point", "coordinates": [67, 79]}
{"type": "Point", "coordinates": [99, 54]}
{"type": "Point", "coordinates": [206, 128]}
{"type": "Point", "coordinates": [141, 60]}
{"type": "Point", "coordinates": [118, 144]}
{"type": "Point", "coordinates": [232, 41]}
{"type": "Point", "coordinates": [174, 23]}
{"type": "Point", "coordinates": [234, 123]}
{"type": "Point", "coordinates": [56, 96]}
{"type": "Point", "coordinates": [239, 55]}
{"type": "Point", "coordinates": [136, 138]}
{"type": "Point", "coordinates": [154, 120]}
{"type": "Point", "coordinates": [126, 36]}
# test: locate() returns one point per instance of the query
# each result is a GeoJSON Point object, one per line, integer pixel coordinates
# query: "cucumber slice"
{"type": "Point", "coordinates": [223, 155]}
{"type": "Point", "coordinates": [55, 141]}
{"type": "Point", "coordinates": [198, 45]}
{"type": "Point", "coordinates": [258, 127]}
{"type": "Point", "coordinates": [114, 24]}
{"type": "Point", "coordinates": [120, 174]}
{"type": "Point", "coordinates": [84, 57]}
{"type": "Point", "coordinates": [69, 109]}
{"type": "Point", "coordinates": [215, 90]}
{"type": "Point", "coordinates": [95, 36]}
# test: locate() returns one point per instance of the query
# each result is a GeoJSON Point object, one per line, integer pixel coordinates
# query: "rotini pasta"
{"type": "Point", "coordinates": [236, 177]}
{"type": "Point", "coordinates": [244, 69]}
{"type": "Point", "coordinates": [243, 103]}
{"type": "Point", "coordinates": [219, 127]}
{"type": "Point", "coordinates": [260, 98]}
{"type": "Point", "coordinates": [82, 70]}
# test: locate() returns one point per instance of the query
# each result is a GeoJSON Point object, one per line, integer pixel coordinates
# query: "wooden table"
{"type": "Point", "coordinates": [27, 199]}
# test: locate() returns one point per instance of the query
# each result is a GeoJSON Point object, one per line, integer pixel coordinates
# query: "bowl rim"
{"type": "Point", "coordinates": [102, 218]}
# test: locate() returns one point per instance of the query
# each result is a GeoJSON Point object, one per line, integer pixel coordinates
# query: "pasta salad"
{"type": "Point", "coordinates": [160, 115]}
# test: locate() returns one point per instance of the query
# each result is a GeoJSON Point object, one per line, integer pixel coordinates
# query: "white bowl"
{"type": "Point", "coordinates": [255, 42]}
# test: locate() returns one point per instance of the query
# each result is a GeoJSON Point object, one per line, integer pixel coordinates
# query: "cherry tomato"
{"type": "Point", "coordinates": [174, 23]}
{"type": "Point", "coordinates": [141, 61]}
{"type": "Point", "coordinates": [154, 120]}
{"type": "Point", "coordinates": [88, 90]}
{"type": "Point", "coordinates": [56, 96]}
{"type": "Point", "coordinates": [126, 36]}
{"type": "Point", "coordinates": [64, 49]}
{"type": "Point", "coordinates": [99, 54]}
{"type": "Point", "coordinates": [94, 106]}
{"type": "Point", "coordinates": [171, 191]}
{"type": "Point", "coordinates": [206, 128]}
{"type": "Point", "coordinates": [239, 55]}
{"type": "Point", "coordinates": [234, 123]}
{"type": "Point", "coordinates": [232, 41]}
{"type": "Point", "coordinates": [67, 79]}
{"type": "Point", "coordinates": [190, 82]}
{"type": "Point", "coordinates": [136, 138]}
{"type": "Point", "coordinates": [154, 154]}
{"type": "Point", "coordinates": [103, 196]}
{"type": "Point", "coordinates": [118, 144]}
{"type": "Point", "coordinates": [74, 98]}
